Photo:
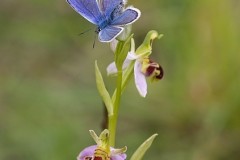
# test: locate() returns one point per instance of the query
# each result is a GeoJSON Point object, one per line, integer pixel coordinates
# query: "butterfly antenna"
{"type": "Point", "coordinates": [85, 31]}
{"type": "Point", "coordinates": [94, 41]}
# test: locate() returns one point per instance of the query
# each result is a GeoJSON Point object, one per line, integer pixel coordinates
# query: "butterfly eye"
{"type": "Point", "coordinates": [97, 30]}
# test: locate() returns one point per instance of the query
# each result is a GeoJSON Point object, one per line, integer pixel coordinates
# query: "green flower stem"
{"type": "Point", "coordinates": [126, 78]}
{"type": "Point", "coordinates": [120, 55]}
{"type": "Point", "coordinates": [113, 119]}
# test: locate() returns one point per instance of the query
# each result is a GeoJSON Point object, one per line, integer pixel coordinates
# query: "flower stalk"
{"type": "Point", "coordinates": [113, 22]}
{"type": "Point", "coordinates": [120, 55]}
{"type": "Point", "coordinates": [113, 118]}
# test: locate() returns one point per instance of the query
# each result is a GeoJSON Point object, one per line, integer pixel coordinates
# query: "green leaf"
{"type": "Point", "coordinates": [103, 91]}
{"type": "Point", "coordinates": [139, 153]}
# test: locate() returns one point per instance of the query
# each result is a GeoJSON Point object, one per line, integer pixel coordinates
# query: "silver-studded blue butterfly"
{"type": "Point", "coordinates": [108, 15]}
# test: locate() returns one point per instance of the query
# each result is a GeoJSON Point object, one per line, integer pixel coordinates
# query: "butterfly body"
{"type": "Point", "coordinates": [103, 24]}
{"type": "Point", "coordinates": [107, 20]}
{"type": "Point", "coordinates": [108, 15]}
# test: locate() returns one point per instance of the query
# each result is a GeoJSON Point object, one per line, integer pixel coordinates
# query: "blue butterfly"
{"type": "Point", "coordinates": [108, 15]}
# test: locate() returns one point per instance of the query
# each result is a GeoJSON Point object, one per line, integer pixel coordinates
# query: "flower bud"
{"type": "Point", "coordinates": [125, 33]}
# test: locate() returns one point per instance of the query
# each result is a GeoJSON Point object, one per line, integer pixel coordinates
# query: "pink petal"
{"type": "Point", "coordinates": [126, 64]}
{"type": "Point", "coordinates": [112, 69]}
{"type": "Point", "coordinates": [87, 152]}
{"type": "Point", "coordinates": [132, 55]}
{"type": "Point", "coordinates": [140, 79]}
{"type": "Point", "coordinates": [119, 157]}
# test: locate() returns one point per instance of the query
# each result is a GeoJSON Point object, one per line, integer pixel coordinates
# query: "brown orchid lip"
{"type": "Point", "coordinates": [160, 76]}
{"type": "Point", "coordinates": [150, 70]}
{"type": "Point", "coordinates": [153, 67]}
{"type": "Point", "coordinates": [88, 158]}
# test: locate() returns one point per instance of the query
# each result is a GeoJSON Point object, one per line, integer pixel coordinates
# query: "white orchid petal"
{"type": "Point", "coordinates": [132, 56]}
{"type": "Point", "coordinates": [126, 64]}
{"type": "Point", "coordinates": [112, 69]}
{"type": "Point", "coordinates": [115, 151]}
{"type": "Point", "coordinates": [140, 79]}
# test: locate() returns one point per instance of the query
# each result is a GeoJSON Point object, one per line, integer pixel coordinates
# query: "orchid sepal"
{"type": "Point", "coordinates": [146, 46]}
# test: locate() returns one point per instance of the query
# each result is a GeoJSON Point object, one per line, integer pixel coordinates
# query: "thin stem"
{"type": "Point", "coordinates": [120, 55]}
{"type": "Point", "coordinates": [113, 119]}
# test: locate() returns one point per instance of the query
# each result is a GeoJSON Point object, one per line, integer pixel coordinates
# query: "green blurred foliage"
{"type": "Point", "coordinates": [49, 100]}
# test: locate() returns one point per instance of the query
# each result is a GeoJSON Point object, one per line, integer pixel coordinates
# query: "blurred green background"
{"type": "Point", "coordinates": [49, 100]}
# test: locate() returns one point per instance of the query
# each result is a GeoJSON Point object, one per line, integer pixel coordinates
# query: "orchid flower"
{"type": "Point", "coordinates": [102, 151]}
{"type": "Point", "coordinates": [143, 67]}
{"type": "Point", "coordinates": [88, 154]}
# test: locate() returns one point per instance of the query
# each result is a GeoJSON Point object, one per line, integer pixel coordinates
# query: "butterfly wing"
{"type": "Point", "coordinates": [109, 33]}
{"type": "Point", "coordinates": [88, 9]}
{"type": "Point", "coordinates": [128, 16]}
{"type": "Point", "coordinates": [108, 6]}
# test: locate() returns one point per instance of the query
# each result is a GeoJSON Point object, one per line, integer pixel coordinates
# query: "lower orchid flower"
{"type": "Point", "coordinates": [94, 153]}
{"type": "Point", "coordinates": [102, 151]}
